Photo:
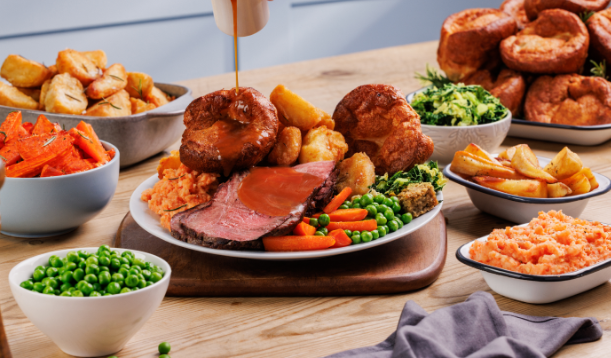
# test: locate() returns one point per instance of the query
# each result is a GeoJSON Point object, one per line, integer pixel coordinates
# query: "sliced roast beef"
{"type": "Point", "coordinates": [226, 223]}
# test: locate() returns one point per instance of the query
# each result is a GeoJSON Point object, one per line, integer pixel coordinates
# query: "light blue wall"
{"type": "Point", "coordinates": [176, 40]}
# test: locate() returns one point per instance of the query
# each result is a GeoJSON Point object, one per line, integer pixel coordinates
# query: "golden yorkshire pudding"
{"type": "Point", "coordinates": [226, 131]}
{"type": "Point", "coordinates": [515, 8]}
{"type": "Point", "coordinates": [470, 41]}
{"type": "Point", "coordinates": [508, 86]}
{"type": "Point", "coordinates": [569, 99]}
{"type": "Point", "coordinates": [557, 42]}
{"type": "Point", "coordinates": [599, 26]}
{"type": "Point", "coordinates": [534, 7]}
{"type": "Point", "coordinates": [376, 120]}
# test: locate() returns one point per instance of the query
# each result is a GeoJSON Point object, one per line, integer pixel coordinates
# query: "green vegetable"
{"type": "Point", "coordinates": [49, 290]}
{"type": "Point", "coordinates": [406, 218]}
{"type": "Point", "coordinates": [388, 202]}
{"type": "Point", "coordinates": [396, 208]}
{"type": "Point", "coordinates": [113, 288]}
{"type": "Point", "coordinates": [164, 356]}
{"type": "Point", "coordinates": [366, 236]}
{"type": "Point", "coordinates": [348, 232]}
{"type": "Point", "coordinates": [92, 269]}
{"type": "Point", "coordinates": [72, 256]}
{"type": "Point", "coordinates": [164, 348]}
{"type": "Point", "coordinates": [379, 198]}
{"type": "Point", "coordinates": [392, 226]}
{"type": "Point", "coordinates": [375, 234]}
{"type": "Point", "coordinates": [371, 210]}
{"type": "Point", "coordinates": [366, 199]}
{"type": "Point", "coordinates": [389, 214]}
{"type": "Point", "coordinates": [132, 281]}
{"type": "Point", "coordinates": [458, 105]}
{"type": "Point", "coordinates": [90, 278]}
{"type": "Point", "coordinates": [380, 219]}
{"type": "Point", "coordinates": [39, 275]}
{"type": "Point", "coordinates": [324, 231]}
{"type": "Point", "coordinates": [125, 290]}
{"type": "Point", "coordinates": [344, 207]}
{"type": "Point", "coordinates": [314, 222]}
{"type": "Point", "coordinates": [422, 173]}
{"type": "Point", "coordinates": [356, 238]}
{"type": "Point", "coordinates": [399, 222]}
{"type": "Point", "coordinates": [324, 220]}
{"type": "Point", "coordinates": [318, 233]}
{"type": "Point", "coordinates": [78, 274]}
{"type": "Point", "coordinates": [27, 284]}
{"type": "Point", "coordinates": [356, 200]}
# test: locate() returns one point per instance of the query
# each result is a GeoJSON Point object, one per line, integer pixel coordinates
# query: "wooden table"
{"type": "Point", "coordinates": [308, 327]}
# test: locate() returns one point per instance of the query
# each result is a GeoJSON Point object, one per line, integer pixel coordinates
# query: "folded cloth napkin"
{"type": "Point", "coordinates": [477, 328]}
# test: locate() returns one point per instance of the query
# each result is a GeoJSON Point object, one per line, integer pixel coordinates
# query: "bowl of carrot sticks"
{"type": "Point", "coordinates": [56, 178]}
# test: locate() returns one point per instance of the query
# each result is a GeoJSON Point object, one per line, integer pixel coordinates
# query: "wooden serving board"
{"type": "Point", "coordinates": [405, 264]}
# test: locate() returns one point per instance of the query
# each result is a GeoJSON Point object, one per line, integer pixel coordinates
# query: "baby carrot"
{"type": "Point", "coordinates": [366, 225]}
{"type": "Point", "coordinates": [347, 215]}
{"type": "Point", "coordinates": [297, 243]}
{"type": "Point", "coordinates": [341, 239]}
{"type": "Point", "coordinates": [338, 200]}
{"type": "Point", "coordinates": [303, 229]}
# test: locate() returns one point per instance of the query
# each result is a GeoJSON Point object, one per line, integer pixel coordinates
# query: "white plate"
{"type": "Point", "coordinates": [561, 133]}
{"type": "Point", "coordinates": [537, 288]}
{"type": "Point", "coordinates": [149, 221]}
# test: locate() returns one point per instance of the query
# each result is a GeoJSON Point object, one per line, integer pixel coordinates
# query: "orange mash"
{"type": "Point", "coordinates": [178, 190]}
{"type": "Point", "coordinates": [550, 244]}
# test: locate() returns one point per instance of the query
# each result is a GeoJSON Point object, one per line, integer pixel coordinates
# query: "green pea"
{"type": "Point", "coordinates": [164, 348]}
{"type": "Point", "coordinates": [356, 206]}
{"type": "Point", "coordinates": [97, 287]}
{"type": "Point", "coordinates": [395, 199]}
{"type": "Point", "coordinates": [156, 277]}
{"type": "Point", "coordinates": [66, 294]}
{"type": "Point", "coordinates": [78, 274]}
{"type": "Point", "coordinates": [135, 269]}
{"type": "Point", "coordinates": [356, 200]}
{"type": "Point", "coordinates": [104, 260]}
{"type": "Point", "coordinates": [318, 233]}
{"type": "Point", "coordinates": [92, 260]}
{"type": "Point", "coordinates": [80, 284]}
{"type": "Point", "coordinates": [356, 238]}
{"type": "Point", "coordinates": [38, 275]}
{"type": "Point", "coordinates": [371, 210]}
{"type": "Point", "coordinates": [124, 261]}
{"type": "Point", "coordinates": [407, 218]}
{"type": "Point", "coordinates": [392, 226]}
{"type": "Point", "coordinates": [70, 266]}
{"type": "Point", "coordinates": [146, 274]}
{"type": "Point", "coordinates": [90, 278]}
{"type": "Point", "coordinates": [71, 289]}
{"type": "Point", "coordinates": [83, 254]}
{"type": "Point", "coordinates": [366, 236]}
{"type": "Point", "coordinates": [149, 283]}
{"type": "Point", "coordinates": [123, 271]}
{"type": "Point", "coordinates": [52, 258]}
{"type": "Point", "coordinates": [65, 287]}
{"type": "Point", "coordinates": [52, 272]}
{"type": "Point", "coordinates": [367, 199]}
{"type": "Point", "coordinates": [383, 230]}
{"type": "Point", "coordinates": [66, 276]}
{"type": "Point", "coordinates": [379, 198]}
{"type": "Point", "coordinates": [113, 288]}
{"type": "Point", "coordinates": [86, 288]}
{"type": "Point", "coordinates": [127, 253]}
{"type": "Point", "coordinates": [77, 293]}
{"type": "Point", "coordinates": [118, 277]}
{"type": "Point", "coordinates": [142, 283]}
{"type": "Point", "coordinates": [125, 290]}
{"type": "Point", "coordinates": [131, 281]}
{"type": "Point", "coordinates": [375, 234]}
{"type": "Point", "coordinates": [50, 282]}
{"type": "Point", "coordinates": [104, 248]}
{"type": "Point", "coordinates": [38, 287]}
{"type": "Point", "coordinates": [147, 266]}
{"type": "Point", "coordinates": [396, 208]}
{"type": "Point", "coordinates": [57, 292]}
{"type": "Point", "coordinates": [388, 202]}
{"type": "Point", "coordinates": [348, 232]}
{"type": "Point", "coordinates": [389, 214]}
{"type": "Point", "coordinates": [324, 220]}
{"type": "Point", "coordinates": [82, 264]}
{"type": "Point", "coordinates": [72, 256]}
{"type": "Point", "coordinates": [347, 203]}
{"type": "Point", "coordinates": [314, 222]}
{"type": "Point", "coordinates": [164, 356]}
{"type": "Point", "coordinates": [104, 278]}
{"type": "Point", "coordinates": [138, 263]}
{"type": "Point", "coordinates": [344, 207]}
{"type": "Point", "coordinates": [49, 290]}
{"type": "Point", "coordinates": [104, 269]}
{"type": "Point", "coordinates": [95, 294]}
{"type": "Point", "coordinates": [380, 219]}
{"type": "Point", "coordinates": [27, 284]}
{"type": "Point", "coordinates": [40, 268]}
{"type": "Point", "coordinates": [383, 208]}
{"type": "Point", "coordinates": [324, 231]}
{"type": "Point", "coordinates": [92, 269]}
{"type": "Point", "coordinates": [399, 222]}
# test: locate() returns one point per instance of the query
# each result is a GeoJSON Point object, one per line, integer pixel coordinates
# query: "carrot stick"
{"type": "Point", "coordinates": [346, 215]}
{"type": "Point", "coordinates": [338, 200]}
{"type": "Point", "coordinates": [87, 129]}
{"type": "Point", "coordinates": [9, 153]}
{"type": "Point", "coordinates": [341, 239]}
{"type": "Point", "coordinates": [43, 126]}
{"type": "Point", "coordinates": [297, 243]}
{"type": "Point", "coordinates": [303, 229]}
{"type": "Point", "coordinates": [11, 128]}
{"type": "Point", "coordinates": [88, 146]}
{"type": "Point", "coordinates": [366, 225]}
{"type": "Point", "coordinates": [28, 127]}
{"type": "Point", "coordinates": [32, 167]}
{"type": "Point", "coordinates": [49, 171]}
{"type": "Point", "coordinates": [36, 145]}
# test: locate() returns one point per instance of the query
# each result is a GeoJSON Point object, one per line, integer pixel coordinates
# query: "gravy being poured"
{"type": "Point", "coordinates": [234, 7]}
{"type": "Point", "coordinates": [276, 191]}
{"type": "Point", "coordinates": [230, 136]}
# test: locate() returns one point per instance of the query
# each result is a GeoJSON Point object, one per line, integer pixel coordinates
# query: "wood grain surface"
{"type": "Point", "coordinates": [310, 326]}
{"type": "Point", "coordinates": [406, 264]}
{"type": "Point", "coordinates": [5, 351]}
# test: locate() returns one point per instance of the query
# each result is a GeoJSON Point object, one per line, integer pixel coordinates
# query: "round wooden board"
{"type": "Point", "coordinates": [406, 264]}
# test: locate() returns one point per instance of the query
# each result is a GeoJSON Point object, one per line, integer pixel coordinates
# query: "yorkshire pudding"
{"type": "Point", "coordinates": [376, 120]}
{"type": "Point", "coordinates": [534, 7]}
{"type": "Point", "coordinates": [569, 99]}
{"type": "Point", "coordinates": [515, 8]}
{"type": "Point", "coordinates": [557, 42]}
{"type": "Point", "coordinates": [508, 86]}
{"type": "Point", "coordinates": [226, 131]}
{"type": "Point", "coordinates": [599, 26]}
{"type": "Point", "coordinates": [470, 41]}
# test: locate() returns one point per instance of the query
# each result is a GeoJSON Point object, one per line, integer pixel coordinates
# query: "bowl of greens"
{"type": "Point", "coordinates": [455, 115]}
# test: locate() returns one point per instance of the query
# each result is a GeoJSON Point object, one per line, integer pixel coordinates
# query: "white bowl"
{"type": "Point", "coordinates": [449, 140]}
{"type": "Point", "coordinates": [37, 207]}
{"type": "Point", "coordinates": [519, 209]}
{"type": "Point", "coordinates": [88, 326]}
{"type": "Point", "coordinates": [537, 288]}
{"type": "Point", "coordinates": [561, 133]}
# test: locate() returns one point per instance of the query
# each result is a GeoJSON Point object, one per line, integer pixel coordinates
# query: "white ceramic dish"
{"type": "Point", "coordinates": [561, 133]}
{"type": "Point", "coordinates": [449, 140]}
{"type": "Point", "coordinates": [38, 207]}
{"type": "Point", "coordinates": [519, 209]}
{"type": "Point", "coordinates": [149, 221]}
{"type": "Point", "coordinates": [88, 326]}
{"type": "Point", "coordinates": [537, 288]}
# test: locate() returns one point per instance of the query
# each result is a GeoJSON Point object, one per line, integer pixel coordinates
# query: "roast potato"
{"type": "Point", "coordinates": [77, 65]}
{"type": "Point", "coordinates": [327, 121]}
{"type": "Point", "coordinates": [65, 95]}
{"type": "Point", "coordinates": [357, 173]}
{"type": "Point", "coordinates": [11, 97]}
{"type": "Point", "coordinates": [526, 163]}
{"type": "Point", "coordinates": [471, 165]}
{"type": "Point", "coordinates": [97, 57]}
{"type": "Point", "coordinates": [578, 183]}
{"type": "Point", "coordinates": [112, 81]}
{"type": "Point", "coordinates": [591, 178]}
{"type": "Point", "coordinates": [287, 148]}
{"type": "Point", "coordinates": [322, 144]}
{"type": "Point", "coordinates": [139, 106]}
{"type": "Point", "coordinates": [527, 187]}
{"type": "Point", "coordinates": [43, 94]}
{"type": "Point", "coordinates": [565, 164]}
{"type": "Point", "coordinates": [139, 85]}
{"type": "Point", "coordinates": [117, 105]}
{"type": "Point", "coordinates": [21, 72]}
{"type": "Point", "coordinates": [32, 92]}
{"type": "Point", "coordinates": [157, 97]}
{"type": "Point", "coordinates": [558, 190]}
{"type": "Point", "coordinates": [295, 110]}
{"type": "Point", "coordinates": [478, 151]}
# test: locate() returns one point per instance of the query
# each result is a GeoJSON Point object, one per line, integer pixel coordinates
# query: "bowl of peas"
{"type": "Point", "coordinates": [90, 301]}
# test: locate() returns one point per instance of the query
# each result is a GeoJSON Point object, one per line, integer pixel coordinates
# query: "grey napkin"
{"type": "Point", "coordinates": [477, 328]}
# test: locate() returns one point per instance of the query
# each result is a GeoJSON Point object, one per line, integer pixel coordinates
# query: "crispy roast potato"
{"type": "Point", "coordinates": [471, 165]}
{"type": "Point", "coordinates": [322, 144]}
{"type": "Point", "coordinates": [77, 65]}
{"type": "Point", "coordinates": [558, 190]}
{"type": "Point", "coordinates": [357, 173]}
{"type": "Point", "coordinates": [21, 72]}
{"type": "Point", "coordinates": [139, 85]}
{"type": "Point", "coordinates": [534, 7]}
{"type": "Point", "coordinates": [32, 92]}
{"type": "Point", "coordinates": [508, 154]}
{"type": "Point", "coordinates": [526, 163]}
{"type": "Point", "coordinates": [287, 148]}
{"type": "Point", "coordinates": [578, 183]}
{"type": "Point", "coordinates": [591, 178]}
{"type": "Point", "coordinates": [11, 97]}
{"type": "Point", "coordinates": [327, 121]}
{"type": "Point", "coordinates": [53, 69]}
{"type": "Point", "coordinates": [97, 57]}
{"type": "Point", "coordinates": [65, 95]}
{"type": "Point", "coordinates": [478, 151]}
{"type": "Point", "coordinates": [139, 106]}
{"type": "Point", "coordinates": [112, 81]}
{"type": "Point", "coordinates": [43, 94]}
{"type": "Point", "coordinates": [295, 110]}
{"type": "Point", "coordinates": [158, 97]}
{"type": "Point", "coordinates": [565, 164]}
{"type": "Point", "coordinates": [527, 187]}
{"type": "Point", "coordinates": [117, 105]}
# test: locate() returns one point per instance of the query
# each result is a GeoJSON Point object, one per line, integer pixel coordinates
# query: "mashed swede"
{"type": "Point", "coordinates": [550, 244]}
{"type": "Point", "coordinates": [179, 190]}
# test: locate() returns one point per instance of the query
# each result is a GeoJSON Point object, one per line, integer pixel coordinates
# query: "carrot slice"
{"type": "Point", "coordinates": [28, 127]}
{"type": "Point", "coordinates": [341, 239]}
{"type": "Point", "coordinates": [366, 225]}
{"type": "Point", "coordinates": [338, 200]}
{"type": "Point", "coordinates": [49, 171]}
{"type": "Point", "coordinates": [297, 243]}
{"type": "Point", "coordinates": [303, 229]}
{"type": "Point", "coordinates": [32, 167]}
{"type": "Point", "coordinates": [43, 126]}
{"type": "Point", "coordinates": [346, 215]}
{"type": "Point", "coordinates": [36, 145]}
{"type": "Point", "coordinates": [78, 166]}
{"type": "Point", "coordinates": [11, 128]}
{"type": "Point", "coordinates": [96, 149]}
{"type": "Point", "coordinates": [9, 153]}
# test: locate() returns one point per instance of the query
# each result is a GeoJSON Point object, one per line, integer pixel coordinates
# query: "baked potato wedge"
{"type": "Point", "coordinates": [509, 152]}
{"type": "Point", "coordinates": [471, 165]}
{"type": "Point", "coordinates": [321, 144]}
{"type": "Point", "coordinates": [112, 81]}
{"type": "Point", "coordinates": [526, 163]}
{"type": "Point", "coordinates": [591, 178]}
{"type": "Point", "coordinates": [478, 151]}
{"type": "Point", "coordinates": [32, 92]}
{"type": "Point", "coordinates": [326, 121]}
{"type": "Point", "coordinates": [295, 110]}
{"type": "Point", "coordinates": [11, 97]}
{"type": "Point", "coordinates": [357, 172]}
{"type": "Point", "coordinates": [158, 97]}
{"type": "Point", "coordinates": [558, 190]}
{"type": "Point", "coordinates": [53, 69]}
{"type": "Point", "coordinates": [139, 85]}
{"type": "Point", "coordinates": [531, 188]}
{"type": "Point", "coordinates": [97, 57]}
{"type": "Point", "coordinates": [65, 95]}
{"type": "Point", "coordinates": [43, 94]}
{"type": "Point", "coordinates": [117, 105]}
{"type": "Point", "coordinates": [287, 148]}
{"type": "Point", "coordinates": [77, 65]}
{"type": "Point", "coordinates": [21, 72]}
{"type": "Point", "coordinates": [139, 106]}
{"type": "Point", "coordinates": [564, 165]}
{"type": "Point", "coordinates": [578, 183]}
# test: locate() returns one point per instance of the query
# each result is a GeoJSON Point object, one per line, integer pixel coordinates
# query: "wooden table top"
{"type": "Point", "coordinates": [309, 327]}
